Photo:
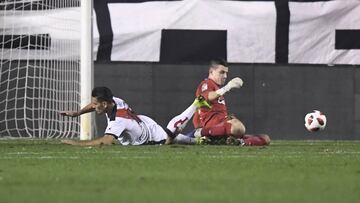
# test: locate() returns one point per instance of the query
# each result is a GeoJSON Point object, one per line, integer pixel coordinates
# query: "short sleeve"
{"type": "Point", "coordinates": [204, 88]}
{"type": "Point", "coordinates": [115, 128]}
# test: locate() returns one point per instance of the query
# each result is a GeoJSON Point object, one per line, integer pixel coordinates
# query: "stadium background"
{"type": "Point", "coordinates": [273, 100]}
{"type": "Point", "coordinates": [294, 56]}
{"type": "Point", "coordinates": [153, 54]}
{"type": "Point", "coordinates": [291, 62]}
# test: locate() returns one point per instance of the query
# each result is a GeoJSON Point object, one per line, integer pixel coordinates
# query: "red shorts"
{"type": "Point", "coordinates": [214, 120]}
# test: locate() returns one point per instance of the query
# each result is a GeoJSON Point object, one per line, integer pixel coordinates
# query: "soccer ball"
{"type": "Point", "coordinates": [315, 121]}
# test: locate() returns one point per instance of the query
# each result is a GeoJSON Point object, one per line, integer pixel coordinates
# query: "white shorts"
{"type": "Point", "coordinates": [157, 133]}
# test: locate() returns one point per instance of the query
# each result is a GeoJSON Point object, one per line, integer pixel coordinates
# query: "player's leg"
{"type": "Point", "coordinates": [237, 128]}
{"type": "Point", "coordinates": [190, 138]}
{"type": "Point", "coordinates": [176, 124]}
{"type": "Point", "coordinates": [239, 138]}
{"type": "Point", "coordinates": [249, 140]}
{"type": "Point", "coordinates": [256, 140]}
{"type": "Point", "coordinates": [180, 121]}
{"type": "Point", "coordinates": [184, 139]}
{"type": "Point", "coordinates": [221, 126]}
{"type": "Point", "coordinates": [156, 133]}
{"type": "Point", "coordinates": [226, 130]}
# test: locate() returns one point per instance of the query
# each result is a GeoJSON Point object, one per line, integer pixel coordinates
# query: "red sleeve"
{"type": "Point", "coordinates": [205, 87]}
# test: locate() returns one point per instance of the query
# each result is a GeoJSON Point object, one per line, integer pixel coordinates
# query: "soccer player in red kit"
{"type": "Point", "coordinates": [215, 121]}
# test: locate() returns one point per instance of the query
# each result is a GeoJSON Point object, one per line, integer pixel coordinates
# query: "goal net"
{"type": "Point", "coordinates": [39, 68]}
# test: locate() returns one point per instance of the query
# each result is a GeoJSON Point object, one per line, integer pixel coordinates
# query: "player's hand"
{"type": "Point", "coordinates": [69, 113]}
{"type": "Point", "coordinates": [235, 83]}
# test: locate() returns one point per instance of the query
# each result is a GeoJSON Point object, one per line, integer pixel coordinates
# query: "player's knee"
{"type": "Point", "coordinates": [237, 128]}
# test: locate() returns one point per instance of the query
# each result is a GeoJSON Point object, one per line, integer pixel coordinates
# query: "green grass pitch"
{"type": "Point", "coordinates": [286, 171]}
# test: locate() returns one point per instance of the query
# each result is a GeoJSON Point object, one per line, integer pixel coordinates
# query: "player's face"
{"type": "Point", "coordinates": [100, 107]}
{"type": "Point", "coordinates": [218, 74]}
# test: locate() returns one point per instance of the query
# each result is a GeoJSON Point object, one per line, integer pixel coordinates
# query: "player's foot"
{"type": "Point", "coordinates": [170, 136]}
{"type": "Point", "coordinates": [202, 140]}
{"type": "Point", "coordinates": [231, 140]}
{"type": "Point", "coordinates": [200, 101]}
{"type": "Point", "coordinates": [199, 139]}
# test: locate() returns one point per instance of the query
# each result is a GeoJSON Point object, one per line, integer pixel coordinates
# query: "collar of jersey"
{"type": "Point", "coordinates": [113, 112]}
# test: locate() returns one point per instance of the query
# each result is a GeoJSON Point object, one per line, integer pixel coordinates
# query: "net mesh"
{"type": "Point", "coordinates": [39, 68]}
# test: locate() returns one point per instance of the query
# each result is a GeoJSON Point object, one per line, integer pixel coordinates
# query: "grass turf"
{"type": "Point", "coordinates": [286, 171]}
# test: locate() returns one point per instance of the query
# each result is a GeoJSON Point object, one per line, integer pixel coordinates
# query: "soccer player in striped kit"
{"type": "Point", "coordinates": [127, 128]}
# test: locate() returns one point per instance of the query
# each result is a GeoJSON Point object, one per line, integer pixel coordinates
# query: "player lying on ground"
{"type": "Point", "coordinates": [214, 123]}
{"type": "Point", "coordinates": [124, 126]}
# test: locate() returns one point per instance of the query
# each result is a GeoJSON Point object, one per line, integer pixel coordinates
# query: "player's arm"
{"type": "Point", "coordinates": [234, 83]}
{"type": "Point", "coordinates": [104, 140]}
{"type": "Point", "coordinates": [88, 108]}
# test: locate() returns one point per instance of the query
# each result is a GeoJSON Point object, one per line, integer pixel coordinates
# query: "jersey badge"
{"type": "Point", "coordinates": [204, 87]}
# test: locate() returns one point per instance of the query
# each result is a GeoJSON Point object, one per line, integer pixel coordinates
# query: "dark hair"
{"type": "Point", "coordinates": [216, 62]}
{"type": "Point", "coordinates": [102, 94]}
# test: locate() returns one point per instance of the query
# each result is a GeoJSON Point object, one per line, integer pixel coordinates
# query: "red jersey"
{"type": "Point", "coordinates": [218, 111]}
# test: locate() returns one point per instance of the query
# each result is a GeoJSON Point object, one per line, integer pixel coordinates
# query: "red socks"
{"type": "Point", "coordinates": [222, 129]}
{"type": "Point", "coordinates": [253, 140]}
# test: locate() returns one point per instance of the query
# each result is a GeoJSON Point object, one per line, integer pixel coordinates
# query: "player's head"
{"type": "Point", "coordinates": [102, 99]}
{"type": "Point", "coordinates": [218, 70]}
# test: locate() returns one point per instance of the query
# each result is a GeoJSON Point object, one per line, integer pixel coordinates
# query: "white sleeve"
{"type": "Point", "coordinates": [114, 128]}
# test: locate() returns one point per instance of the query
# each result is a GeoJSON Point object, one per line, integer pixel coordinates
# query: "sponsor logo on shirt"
{"type": "Point", "coordinates": [221, 100]}
{"type": "Point", "coordinates": [204, 87]}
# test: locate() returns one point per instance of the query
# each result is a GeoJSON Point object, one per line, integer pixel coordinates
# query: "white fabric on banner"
{"type": "Point", "coordinates": [62, 25]}
{"type": "Point", "coordinates": [312, 31]}
{"type": "Point", "coordinates": [250, 27]}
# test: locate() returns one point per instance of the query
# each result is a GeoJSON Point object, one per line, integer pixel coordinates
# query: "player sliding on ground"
{"type": "Point", "coordinates": [127, 128]}
{"type": "Point", "coordinates": [213, 124]}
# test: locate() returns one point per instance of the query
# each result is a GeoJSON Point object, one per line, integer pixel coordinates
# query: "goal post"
{"type": "Point", "coordinates": [86, 68]}
{"type": "Point", "coordinates": [43, 70]}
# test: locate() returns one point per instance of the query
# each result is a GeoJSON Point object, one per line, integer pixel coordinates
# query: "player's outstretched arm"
{"type": "Point", "coordinates": [70, 113]}
{"type": "Point", "coordinates": [233, 83]}
{"type": "Point", "coordinates": [104, 140]}
{"type": "Point", "coordinates": [88, 108]}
